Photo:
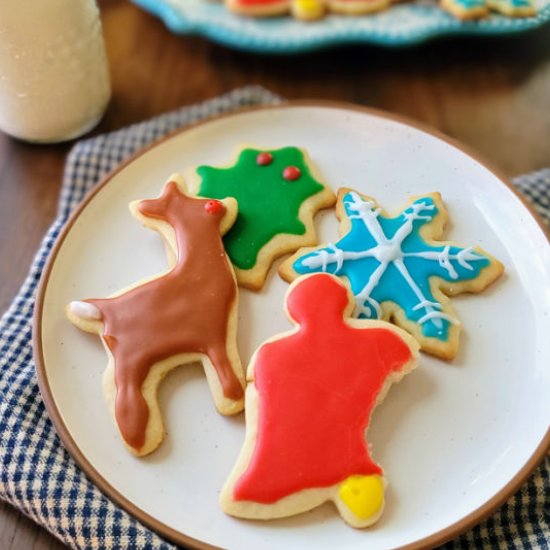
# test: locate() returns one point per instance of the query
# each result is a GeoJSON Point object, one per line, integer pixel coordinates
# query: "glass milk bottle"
{"type": "Point", "coordinates": [54, 80]}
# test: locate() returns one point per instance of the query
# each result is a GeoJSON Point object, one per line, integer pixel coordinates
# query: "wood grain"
{"type": "Point", "coordinates": [493, 94]}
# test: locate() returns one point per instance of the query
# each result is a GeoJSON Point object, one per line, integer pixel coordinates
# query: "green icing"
{"type": "Point", "coordinates": [268, 204]}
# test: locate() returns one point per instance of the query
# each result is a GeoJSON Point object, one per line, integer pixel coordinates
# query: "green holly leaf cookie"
{"type": "Point", "coordinates": [278, 193]}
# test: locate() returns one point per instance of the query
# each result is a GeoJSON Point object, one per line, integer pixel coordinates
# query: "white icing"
{"type": "Point", "coordinates": [444, 258]}
{"type": "Point", "coordinates": [437, 315]}
{"type": "Point", "coordinates": [426, 303]}
{"type": "Point", "coordinates": [388, 252]}
{"type": "Point", "coordinates": [85, 311]}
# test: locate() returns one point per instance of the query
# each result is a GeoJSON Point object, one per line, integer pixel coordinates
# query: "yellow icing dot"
{"type": "Point", "coordinates": [308, 8]}
{"type": "Point", "coordinates": [363, 495]}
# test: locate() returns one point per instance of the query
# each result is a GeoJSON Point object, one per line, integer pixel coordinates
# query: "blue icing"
{"type": "Point", "coordinates": [470, 4]}
{"type": "Point", "coordinates": [514, 3]}
{"type": "Point", "coordinates": [386, 259]}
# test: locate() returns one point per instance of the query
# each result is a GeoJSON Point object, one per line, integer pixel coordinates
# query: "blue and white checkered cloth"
{"type": "Point", "coordinates": [40, 478]}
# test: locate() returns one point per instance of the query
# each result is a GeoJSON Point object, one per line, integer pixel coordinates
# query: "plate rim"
{"type": "Point", "coordinates": [179, 23]}
{"type": "Point", "coordinates": [439, 537]}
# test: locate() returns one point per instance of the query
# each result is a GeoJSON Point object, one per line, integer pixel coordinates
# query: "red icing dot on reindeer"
{"type": "Point", "coordinates": [291, 173]}
{"type": "Point", "coordinates": [213, 206]}
{"type": "Point", "coordinates": [264, 159]}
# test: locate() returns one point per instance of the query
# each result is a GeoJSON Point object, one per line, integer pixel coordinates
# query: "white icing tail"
{"type": "Point", "coordinates": [85, 311]}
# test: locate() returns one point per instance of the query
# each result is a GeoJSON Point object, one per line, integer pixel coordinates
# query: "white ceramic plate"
{"type": "Point", "coordinates": [454, 439]}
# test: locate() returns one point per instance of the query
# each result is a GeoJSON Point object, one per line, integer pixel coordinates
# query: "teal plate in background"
{"type": "Point", "coordinates": [401, 25]}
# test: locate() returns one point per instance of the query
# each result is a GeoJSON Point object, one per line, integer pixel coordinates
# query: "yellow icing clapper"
{"type": "Point", "coordinates": [363, 496]}
{"type": "Point", "coordinates": [308, 9]}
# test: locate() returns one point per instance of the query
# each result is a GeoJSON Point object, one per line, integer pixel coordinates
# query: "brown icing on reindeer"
{"type": "Point", "coordinates": [185, 311]}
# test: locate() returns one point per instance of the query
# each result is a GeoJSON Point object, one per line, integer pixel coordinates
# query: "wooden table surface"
{"type": "Point", "coordinates": [492, 94]}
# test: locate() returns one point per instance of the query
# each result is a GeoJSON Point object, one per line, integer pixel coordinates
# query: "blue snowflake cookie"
{"type": "Point", "coordinates": [398, 270]}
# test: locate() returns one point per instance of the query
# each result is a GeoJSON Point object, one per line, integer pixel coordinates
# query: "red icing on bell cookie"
{"type": "Point", "coordinates": [264, 159]}
{"type": "Point", "coordinates": [291, 173]}
{"type": "Point", "coordinates": [314, 388]}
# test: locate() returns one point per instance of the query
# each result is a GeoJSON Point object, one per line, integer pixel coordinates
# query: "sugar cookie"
{"type": "Point", "coordinates": [278, 193]}
{"type": "Point", "coordinates": [185, 315]}
{"type": "Point", "coordinates": [309, 400]}
{"type": "Point", "coordinates": [398, 269]}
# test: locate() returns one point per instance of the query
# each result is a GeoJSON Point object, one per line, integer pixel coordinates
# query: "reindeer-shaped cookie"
{"type": "Point", "coordinates": [186, 315]}
{"type": "Point", "coordinates": [309, 401]}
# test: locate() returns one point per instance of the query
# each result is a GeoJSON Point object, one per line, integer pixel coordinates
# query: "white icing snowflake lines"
{"type": "Point", "coordinates": [396, 270]}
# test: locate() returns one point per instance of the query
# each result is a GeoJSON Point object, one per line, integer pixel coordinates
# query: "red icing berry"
{"type": "Point", "coordinates": [264, 159]}
{"type": "Point", "coordinates": [291, 173]}
{"type": "Point", "coordinates": [213, 207]}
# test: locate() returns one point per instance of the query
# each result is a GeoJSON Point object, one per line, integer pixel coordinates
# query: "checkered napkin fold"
{"type": "Point", "coordinates": [38, 476]}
